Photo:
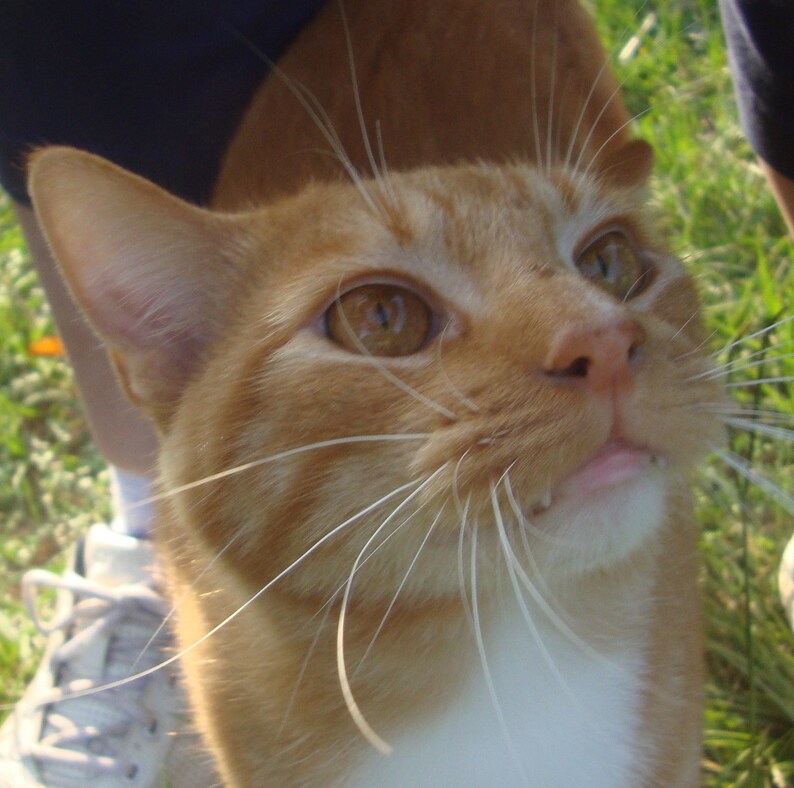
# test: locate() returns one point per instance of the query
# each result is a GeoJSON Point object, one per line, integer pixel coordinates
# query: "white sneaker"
{"type": "Point", "coordinates": [107, 626]}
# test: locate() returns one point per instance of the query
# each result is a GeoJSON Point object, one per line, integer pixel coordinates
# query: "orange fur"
{"type": "Point", "coordinates": [214, 319]}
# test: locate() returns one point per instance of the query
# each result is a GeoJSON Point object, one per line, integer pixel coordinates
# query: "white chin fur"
{"type": "Point", "coordinates": [604, 529]}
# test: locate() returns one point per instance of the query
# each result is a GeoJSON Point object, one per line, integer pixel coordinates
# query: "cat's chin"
{"type": "Point", "coordinates": [604, 510]}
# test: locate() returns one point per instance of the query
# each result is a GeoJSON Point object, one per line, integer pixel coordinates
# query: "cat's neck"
{"type": "Point", "coordinates": [427, 683]}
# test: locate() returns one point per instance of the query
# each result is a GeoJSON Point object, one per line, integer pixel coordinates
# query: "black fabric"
{"type": "Point", "coordinates": [760, 36]}
{"type": "Point", "coordinates": [157, 86]}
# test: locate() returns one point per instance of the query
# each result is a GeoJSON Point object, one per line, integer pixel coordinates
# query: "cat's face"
{"type": "Point", "coordinates": [512, 348]}
{"type": "Point", "coordinates": [472, 358]}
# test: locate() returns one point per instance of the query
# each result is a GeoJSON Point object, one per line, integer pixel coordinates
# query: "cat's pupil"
{"type": "Point", "coordinates": [383, 316]}
{"type": "Point", "coordinates": [379, 320]}
{"type": "Point", "coordinates": [602, 264]}
{"type": "Point", "coordinates": [612, 264]}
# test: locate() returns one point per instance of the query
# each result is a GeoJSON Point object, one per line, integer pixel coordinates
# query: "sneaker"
{"type": "Point", "coordinates": [107, 626]}
{"type": "Point", "coordinates": [785, 581]}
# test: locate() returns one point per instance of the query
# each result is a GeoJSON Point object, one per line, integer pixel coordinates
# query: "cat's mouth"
{"type": "Point", "coordinates": [616, 463]}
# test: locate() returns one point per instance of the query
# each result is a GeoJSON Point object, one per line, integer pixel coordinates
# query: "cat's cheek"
{"type": "Point", "coordinates": [587, 533]}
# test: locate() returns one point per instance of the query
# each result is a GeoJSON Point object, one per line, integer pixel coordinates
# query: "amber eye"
{"type": "Point", "coordinates": [612, 264]}
{"type": "Point", "coordinates": [381, 319]}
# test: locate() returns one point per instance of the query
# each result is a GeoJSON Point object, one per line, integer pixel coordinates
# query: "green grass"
{"type": "Point", "coordinates": [719, 217]}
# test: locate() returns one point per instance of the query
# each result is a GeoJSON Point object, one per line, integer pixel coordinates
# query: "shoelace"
{"type": "Point", "coordinates": [98, 611]}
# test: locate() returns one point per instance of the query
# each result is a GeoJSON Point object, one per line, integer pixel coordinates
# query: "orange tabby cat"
{"type": "Point", "coordinates": [426, 434]}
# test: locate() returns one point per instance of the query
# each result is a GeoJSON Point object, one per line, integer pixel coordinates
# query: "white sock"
{"type": "Point", "coordinates": [133, 515]}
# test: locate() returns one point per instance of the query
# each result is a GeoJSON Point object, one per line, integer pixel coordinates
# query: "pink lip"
{"type": "Point", "coordinates": [614, 463]}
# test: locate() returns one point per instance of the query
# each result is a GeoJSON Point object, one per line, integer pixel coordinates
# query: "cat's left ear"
{"type": "Point", "coordinates": [152, 273]}
{"type": "Point", "coordinates": [628, 167]}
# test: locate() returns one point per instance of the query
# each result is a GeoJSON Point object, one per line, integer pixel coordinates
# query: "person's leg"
{"type": "Point", "coordinates": [783, 189]}
{"type": "Point", "coordinates": [124, 437]}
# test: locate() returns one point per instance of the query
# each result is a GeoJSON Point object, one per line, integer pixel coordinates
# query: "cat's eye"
{"type": "Point", "coordinates": [379, 319]}
{"type": "Point", "coordinates": [612, 263]}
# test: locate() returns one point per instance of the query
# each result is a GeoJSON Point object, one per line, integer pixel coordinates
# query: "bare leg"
{"type": "Point", "coordinates": [783, 189]}
{"type": "Point", "coordinates": [124, 437]}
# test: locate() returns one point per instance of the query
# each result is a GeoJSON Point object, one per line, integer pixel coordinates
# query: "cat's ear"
{"type": "Point", "coordinates": [628, 167]}
{"type": "Point", "coordinates": [150, 271]}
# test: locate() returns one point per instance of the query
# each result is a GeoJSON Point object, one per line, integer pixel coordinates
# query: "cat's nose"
{"type": "Point", "coordinates": [599, 357]}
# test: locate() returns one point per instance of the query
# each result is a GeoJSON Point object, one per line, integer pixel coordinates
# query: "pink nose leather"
{"type": "Point", "coordinates": [597, 357]}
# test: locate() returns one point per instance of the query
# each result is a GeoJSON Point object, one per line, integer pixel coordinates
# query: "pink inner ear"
{"type": "Point", "coordinates": [145, 315]}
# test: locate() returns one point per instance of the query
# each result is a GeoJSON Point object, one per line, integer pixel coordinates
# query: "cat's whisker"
{"type": "Point", "coordinates": [384, 165]}
{"type": "Point", "coordinates": [759, 381]}
{"type": "Point", "coordinates": [619, 130]}
{"type": "Point", "coordinates": [282, 455]}
{"type": "Point", "coordinates": [478, 635]}
{"type": "Point", "coordinates": [464, 518]}
{"type": "Point", "coordinates": [737, 365]}
{"type": "Point", "coordinates": [540, 598]}
{"type": "Point", "coordinates": [400, 588]}
{"type": "Point", "coordinates": [526, 524]}
{"type": "Point", "coordinates": [385, 193]}
{"type": "Point", "coordinates": [695, 351]}
{"type": "Point", "coordinates": [470, 404]}
{"type": "Point", "coordinates": [726, 410]}
{"type": "Point", "coordinates": [387, 373]}
{"type": "Point", "coordinates": [309, 652]}
{"type": "Point", "coordinates": [681, 330]}
{"type": "Point", "coordinates": [347, 692]}
{"type": "Point", "coordinates": [593, 126]}
{"type": "Point", "coordinates": [533, 97]}
{"type": "Point", "coordinates": [316, 112]}
{"type": "Point", "coordinates": [552, 80]}
{"type": "Point", "coordinates": [375, 550]}
{"type": "Point", "coordinates": [751, 425]}
{"type": "Point", "coordinates": [463, 513]}
{"type": "Point", "coordinates": [585, 105]}
{"type": "Point", "coordinates": [741, 466]}
{"type": "Point", "coordinates": [754, 335]}
{"type": "Point", "coordinates": [242, 608]}
{"type": "Point", "coordinates": [323, 122]}
{"type": "Point", "coordinates": [512, 564]}
{"type": "Point", "coordinates": [185, 593]}
{"type": "Point", "coordinates": [454, 486]}
{"type": "Point", "coordinates": [522, 526]}
{"type": "Point", "coordinates": [637, 282]}
{"type": "Point", "coordinates": [764, 351]}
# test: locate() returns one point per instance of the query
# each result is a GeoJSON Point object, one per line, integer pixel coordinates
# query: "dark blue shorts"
{"type": "Point", "coordinates": [760, 37]}
{"type": "Point", "coordinates": [158, 86]}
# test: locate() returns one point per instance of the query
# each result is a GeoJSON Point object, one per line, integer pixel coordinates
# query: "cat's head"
{"type": "Point", "coordinates": [391, 374]}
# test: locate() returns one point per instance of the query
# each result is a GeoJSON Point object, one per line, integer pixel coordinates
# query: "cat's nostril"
{"type": "Point", "coordinates": [576, 369]}
{"type": "Point", "coordinates": [602, 357]}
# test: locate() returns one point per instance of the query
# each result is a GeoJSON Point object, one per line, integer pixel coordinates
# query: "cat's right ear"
{"type": "Point", "coordinates": [628, 167]}
{"type": "Point", "coordinates": [151, 272]}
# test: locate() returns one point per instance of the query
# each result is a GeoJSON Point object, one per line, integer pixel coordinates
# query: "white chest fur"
{"type": "Point", "coordinates": [570, 725]}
